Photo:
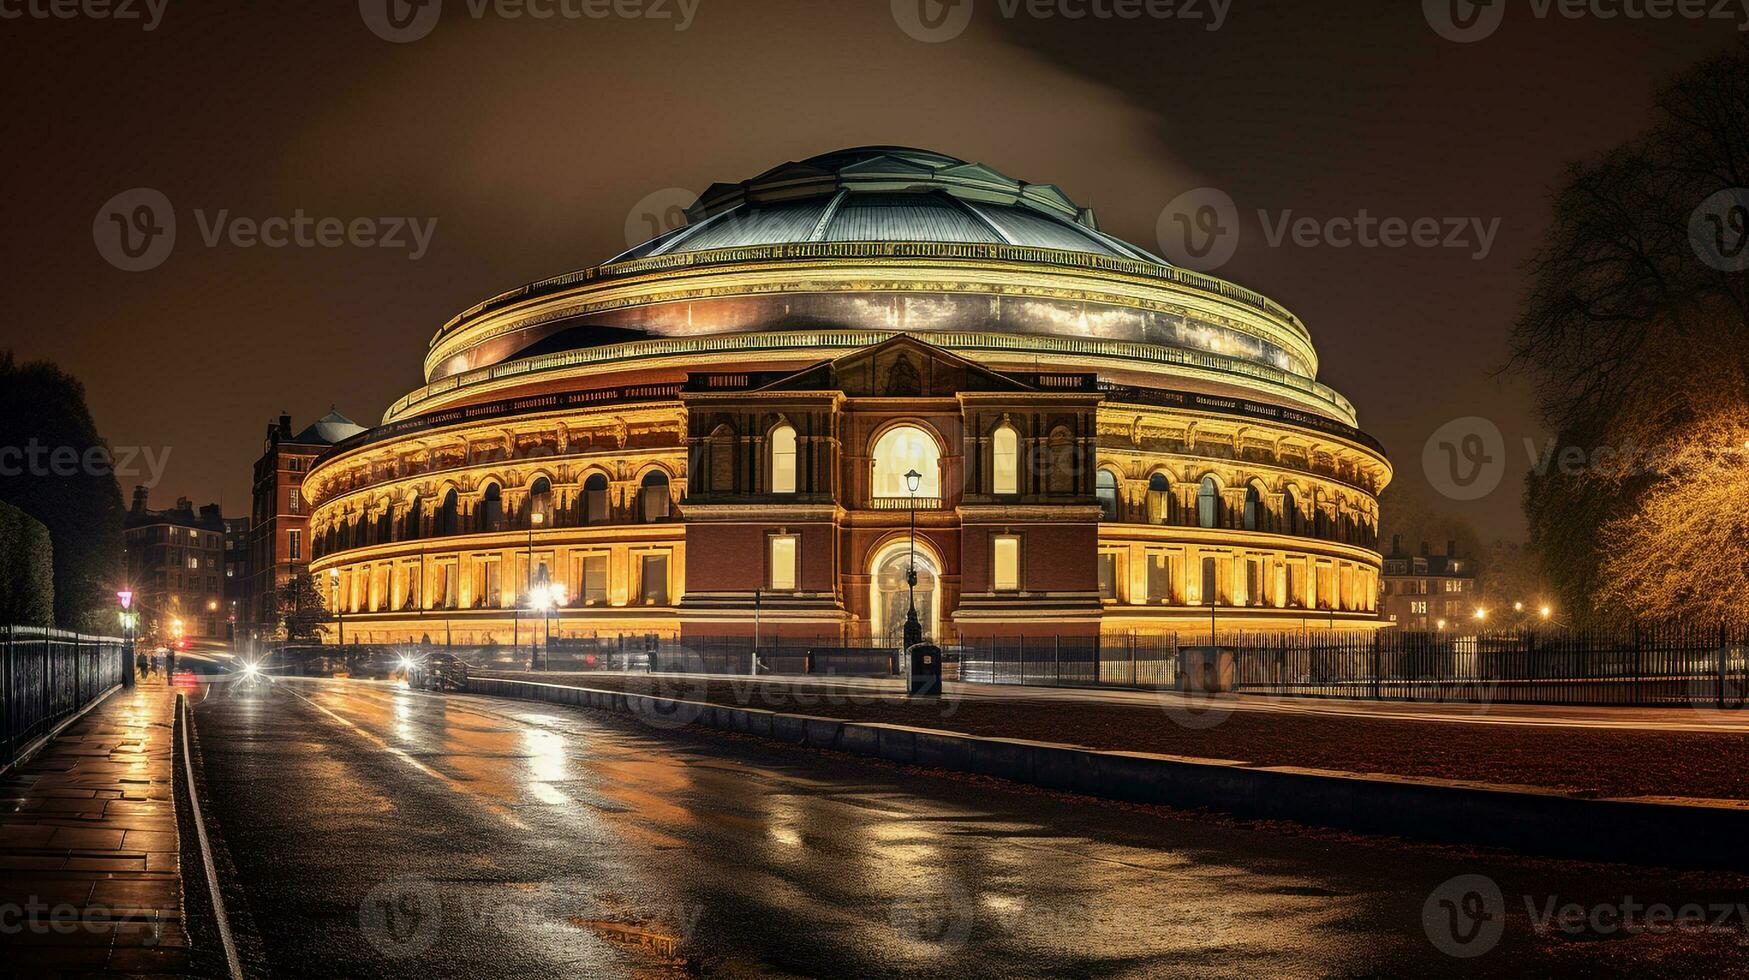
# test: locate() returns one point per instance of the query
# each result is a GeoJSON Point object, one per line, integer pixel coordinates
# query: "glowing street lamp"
{"type": "Point", "coordinates": [1481, 614]}
{"type": "Point", "coordinates": [339, 607]}
{"type": "Point", "coordinates": [1547, 612]}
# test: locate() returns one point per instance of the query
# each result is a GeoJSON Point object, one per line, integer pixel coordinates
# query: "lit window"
{"type": "Point", "coordinates": [783, 562]}
{"type": "Point", "coordinates": [1208, 503]}
{"type": "Point", "coordinates": [1106, 491]}
{"type": "Point", "coordinates": [1107, 576]}
{"type": "Point", "coordinates": [595, 579]}
{"type": "Point", "coordinates": [294, 545]}
{"type": "Point", "coordinates": [653, 583]}
{"type": "Point", "coordinates": [902, 449]}
{"type": "Point", "coordinates": [1005, 453]}
{"type": "Point", "coordinates": [293, 499]}
{"type": "Point", "coordinates": [1007, 565]}
{"type": "Point", "coordinates": [783, 460]}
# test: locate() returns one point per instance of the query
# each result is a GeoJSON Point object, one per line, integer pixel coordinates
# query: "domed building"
{"type": "Point", "coordinates": [734, 425]}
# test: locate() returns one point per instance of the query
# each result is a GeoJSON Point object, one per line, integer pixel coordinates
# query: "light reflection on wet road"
{"type": "Point", "coordinates": [382, 832]}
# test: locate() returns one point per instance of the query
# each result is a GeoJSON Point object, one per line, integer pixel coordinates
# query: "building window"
{"type": "Point", "coordinates": [1290, 512]}
{"type": "Point", "coordinates": [1005, 460]}
{"type": "Point", "coordinates": [783, 459]}
{"type": "Point", "coordinates": [446, 515]}
{"type": "Point", "coordinates": [1254, 582]}
{"type": "Point", "coordinates": [1211, 582]}
{"type": "Point", "coordinates": [595, 499]}
{"type": "Point", "coordinates": [1159, 499]}
{"type": "Point", "coordinates": [655, 496]}
{"type": "Point", "coordinates": [294, 545]}
{"type": "Point", "coordinates": [1253, 509]}
{"type": "Point", "coordinates": [1107, 575]}
{"type": "Point", "coordinates": [194, 563]}
{"type": "Point", "coordinates": [595, 580]}
{"type": "Point", "coordinates": [781, 552]}
{"type": "Point", "coordinates": [540, 501]}
{"type": "Point", "coordinates": [1159, 577]}
{"type": "Point", "coordinates": [1106, 491]}
{"type": "Point", "coordinates": [1208, 503]}
{"type": "Point", "coordinates": [901, 449]}
{"type": "Point", "coordinates": [492, 509]}
{"type": "Point", "coordinates": [653, 580]}
{"type": "Point", "coordinates": [1006, 566]}
{"type": "Point", "coordinates": [292, 500]}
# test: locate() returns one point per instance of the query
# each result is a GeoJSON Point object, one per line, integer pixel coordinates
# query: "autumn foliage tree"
{"type": "Point", "coordinates": [1636, 334]}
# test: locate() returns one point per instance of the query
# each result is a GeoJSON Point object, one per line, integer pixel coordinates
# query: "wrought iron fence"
{"type": "Point", "coordinates": [1647, 667]}
{"type": "Point", "coordinates": [47, 675]}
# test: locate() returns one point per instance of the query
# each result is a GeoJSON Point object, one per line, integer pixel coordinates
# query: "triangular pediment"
{"type": "Point", "coordinates": [903, 367]}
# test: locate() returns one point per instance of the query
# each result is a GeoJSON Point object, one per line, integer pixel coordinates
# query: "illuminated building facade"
{"type": "Point", "coordinates": [709, 434]}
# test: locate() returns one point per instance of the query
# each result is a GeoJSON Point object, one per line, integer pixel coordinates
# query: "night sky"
{"type": "Point", "coordinates": [531, 143]}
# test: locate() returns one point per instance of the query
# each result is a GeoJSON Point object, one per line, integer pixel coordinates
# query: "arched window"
{"type": "Point", "coordinates": [899, 450]}
{"type": "Point", "coordinates": [1253, 509]}
{"type": "Point", "coordinates": [783, 459]}
{"type": "Point", "coordinates": [386, 524]}
{"type": "Point", "coordinates": [1290, 512]}
{"type": "Point", "coordinates": [492, 509]}
{"type": "Point", "coordinates": [655, 496]}
{"type": "Point", "coordinates": [1208, 503]}
{"type": "Point", "coordinates": [1005, 460]}
{"type": "Point", "coordinates": [1061, 478]}
{"type": "Point", "coordinates": [595, 499]}
{"type": "Point", "coordinates": [1159, 499]}
{"type": "Point", "coordinates": [540, 501]}
{"type": "Point", "coordinates": [412, 527]}
{"type": "Point", "coordinates": [1106, 491]}
{"type": "Point", "coordinates": [446, 515]}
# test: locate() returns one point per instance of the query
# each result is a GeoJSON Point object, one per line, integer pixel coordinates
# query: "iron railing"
{"type": "Point", "coordinates": [47, 675]}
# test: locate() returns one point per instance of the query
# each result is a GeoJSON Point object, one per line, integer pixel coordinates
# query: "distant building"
{"type": "Point", "coordinates": [175, 560]}
{"type": "Point", "coordinates": [1426, 591]}
{"type": "Point", "coordinates": [236, 571]}
{"type": "Point", "coordinates": [279, 545]}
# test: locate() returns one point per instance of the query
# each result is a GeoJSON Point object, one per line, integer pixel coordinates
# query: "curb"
{"type": "Point", "coordinates": [1712, 834]}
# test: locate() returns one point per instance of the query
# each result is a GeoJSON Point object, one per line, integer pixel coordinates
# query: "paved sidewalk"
{"type": "Point", "coordinates": [89, 880]}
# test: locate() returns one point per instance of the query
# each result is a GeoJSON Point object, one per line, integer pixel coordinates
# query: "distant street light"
{"type": "Point", "coordinates": [1481, 613]}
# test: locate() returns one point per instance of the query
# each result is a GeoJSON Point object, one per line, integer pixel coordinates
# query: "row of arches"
{"type": "Point", "coordinates": [1214, 505]}
{"type": "Point", "coordinates": [485, 512]}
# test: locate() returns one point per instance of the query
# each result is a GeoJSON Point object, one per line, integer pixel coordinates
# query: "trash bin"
{"type": "Point", "coordinates": [925, 677]}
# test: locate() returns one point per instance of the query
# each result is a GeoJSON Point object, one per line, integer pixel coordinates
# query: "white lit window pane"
{"type": "Point", "coordinates": [902, 449]}
{"type": "Point", "coordinates": [1007, 575]}
{"type": "Point", "coordinates": [783, 460]}
{"type": "Point", "coordinates": [783, 561]}
{"type": "Point", "coordinates": [1006, 448]}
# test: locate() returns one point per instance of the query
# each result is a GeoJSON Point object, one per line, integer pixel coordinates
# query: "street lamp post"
{"type": "Point", "coordinates": [535, 517]}
{"type": "Point", "coordinates": [913, 628]}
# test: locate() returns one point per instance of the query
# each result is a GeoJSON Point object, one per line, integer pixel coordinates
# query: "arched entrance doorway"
{"type": "Point", "coordinates": [889, 598]}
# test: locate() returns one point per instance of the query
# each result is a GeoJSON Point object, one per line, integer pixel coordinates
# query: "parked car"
{"type": "Point", "coordinates": [438, 672]}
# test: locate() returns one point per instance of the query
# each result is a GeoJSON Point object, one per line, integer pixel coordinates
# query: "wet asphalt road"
{"type": "Point", "coordinates": [377, 831]}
